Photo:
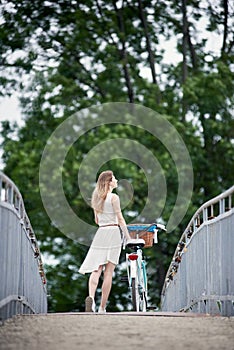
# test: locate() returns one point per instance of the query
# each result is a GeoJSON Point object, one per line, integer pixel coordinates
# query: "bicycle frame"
{"type": "Point", "coordinates": [137, 279]}
{"type": "Point", "coordinates": [136, 266]}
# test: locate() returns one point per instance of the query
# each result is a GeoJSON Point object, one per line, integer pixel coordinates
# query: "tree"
{"type": "Point", "coordinates": [79, 54]}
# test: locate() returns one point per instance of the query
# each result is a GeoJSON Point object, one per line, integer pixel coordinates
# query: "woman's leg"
{"type": "Point", "coordinates": [93, 281]}
{"type": "Point", "coordinates": [107, 283]}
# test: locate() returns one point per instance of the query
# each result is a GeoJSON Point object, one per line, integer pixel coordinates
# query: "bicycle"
{"type": "Point", "coordinates": [143, 235]}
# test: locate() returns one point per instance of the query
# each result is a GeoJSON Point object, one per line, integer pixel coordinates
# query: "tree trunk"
{"type": "Point", "coordinates": [225, 23]}
{"type": "Point", "coordinates": [148, 42]}
{"type": "Point", "coordinates": [192, 51]}
{"type": "Point", "coordinates": [123, 52]}
{"type": "Point", "coordinates": [184, 52]}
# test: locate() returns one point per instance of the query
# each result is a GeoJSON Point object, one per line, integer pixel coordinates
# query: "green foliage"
{"type": "Point", "coordinates": [79, 54]}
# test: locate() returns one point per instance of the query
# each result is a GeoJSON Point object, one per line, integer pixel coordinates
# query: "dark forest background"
{"type": "Point", "coordinates": [61, 56]}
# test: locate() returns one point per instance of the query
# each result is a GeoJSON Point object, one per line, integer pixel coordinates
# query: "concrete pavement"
{"type": "Point", "coordinates": [151, 330]}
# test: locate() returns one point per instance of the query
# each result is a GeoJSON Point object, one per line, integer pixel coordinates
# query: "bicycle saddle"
{"type": "Point", "coordinates": [135, 242]}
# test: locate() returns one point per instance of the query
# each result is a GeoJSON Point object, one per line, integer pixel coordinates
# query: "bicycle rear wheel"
{"type": "Point", "coordinates": [143, 294]}
{"type": "Point", "coordinates": [139, 301]}
{"type": "Point", "coordinates": [143, 302]}
{"type": "Point", "coordinates": [135, 295]}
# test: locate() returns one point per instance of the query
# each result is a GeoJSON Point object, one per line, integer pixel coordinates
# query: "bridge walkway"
{"type": "Point", "coordinates": [151, 330]}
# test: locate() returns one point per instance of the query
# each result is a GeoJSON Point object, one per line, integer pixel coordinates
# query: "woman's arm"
{"type": "Point", "coordinates": [121, 221]}
{"type": "Point", "coordinates": [95, 217]}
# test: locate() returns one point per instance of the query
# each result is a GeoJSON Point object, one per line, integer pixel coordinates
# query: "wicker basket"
{"type": "Point", "coordinates": [140, 231]}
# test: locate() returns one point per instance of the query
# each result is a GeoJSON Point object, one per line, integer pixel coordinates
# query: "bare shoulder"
{"type": "Point", "coordinates": [115, 197]}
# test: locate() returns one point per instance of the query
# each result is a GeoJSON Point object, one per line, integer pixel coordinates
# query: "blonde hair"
{"type": "Point", "coordinates": [100, 191]}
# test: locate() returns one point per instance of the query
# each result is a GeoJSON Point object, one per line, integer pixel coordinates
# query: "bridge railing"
{"type": "Point", "coordinates": [200, 277]}
{"type": "Point", "coordinates": [23, 280]}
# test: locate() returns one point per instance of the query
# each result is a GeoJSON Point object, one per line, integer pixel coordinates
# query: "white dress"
{"type": "Point", "coordinates": [106, 245]}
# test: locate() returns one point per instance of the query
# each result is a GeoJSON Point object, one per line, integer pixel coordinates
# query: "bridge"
{"type": "Point", "coordinates": [23, 281]}
{"type": "Point", "coordinates": [200, 277]}
{"type": "Point", "coordinates": [197, 293]}
{"type": "Point", "coordinates": [198, 289]}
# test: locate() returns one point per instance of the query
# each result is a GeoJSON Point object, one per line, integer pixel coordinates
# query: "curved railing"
{"type": "Point", "coordinates": [200, 277]}
{"type": "Point", "coordinates": [23, 280]}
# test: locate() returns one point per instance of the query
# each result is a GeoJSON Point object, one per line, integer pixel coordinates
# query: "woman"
{"type": "Point", "coordinates": [105, 249]}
